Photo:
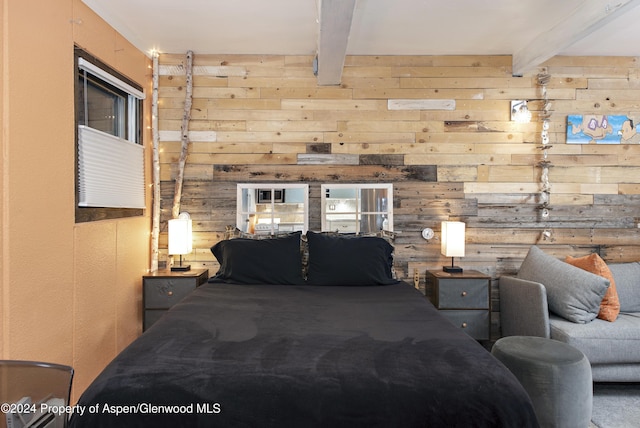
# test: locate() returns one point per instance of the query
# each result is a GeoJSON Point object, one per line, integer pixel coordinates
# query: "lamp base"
{"type": "Point", "coordinates": [180, 268]}
{"type": "Point", "coordinates": [452, 269]}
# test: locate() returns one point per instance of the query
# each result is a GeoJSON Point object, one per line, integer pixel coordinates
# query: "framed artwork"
{"type": "Point", "coordinates": [602, 129]}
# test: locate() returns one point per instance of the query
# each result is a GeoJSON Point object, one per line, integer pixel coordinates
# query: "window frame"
{"type": "Point", "coordinates": [358, 209]}
{"type": "Point", "coordinates": [133, 127]}
{"type": "Point", "coordinates": [242, 216]}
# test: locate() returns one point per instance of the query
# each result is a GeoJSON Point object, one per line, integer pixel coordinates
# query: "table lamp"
{"type": "Point", "coordinates": [452, 243]}
{"type": "Point", "coordinates": [180, 239]}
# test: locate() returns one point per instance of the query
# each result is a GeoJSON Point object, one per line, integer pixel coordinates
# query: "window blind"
{"type": "Point", "coordinates": [110, 170]}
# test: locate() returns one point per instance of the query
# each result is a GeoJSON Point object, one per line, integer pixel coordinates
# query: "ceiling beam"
{"type": "Point", "coordinates": [335, 25]}
{"type": "Point", "coordinates": [585, 19]}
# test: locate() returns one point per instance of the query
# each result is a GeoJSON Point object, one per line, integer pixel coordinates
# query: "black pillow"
{"type": "Point", "coordinates": [264, 261]}
{"type": "Point", "coordinates": [349, 260]}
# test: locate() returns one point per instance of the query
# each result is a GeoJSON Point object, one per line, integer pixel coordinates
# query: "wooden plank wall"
{"type": "Point", "coordinates": [438, 128]}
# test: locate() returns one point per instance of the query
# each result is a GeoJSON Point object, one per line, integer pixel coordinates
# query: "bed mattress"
{"type": "Point", "coordinates": [305, 356]}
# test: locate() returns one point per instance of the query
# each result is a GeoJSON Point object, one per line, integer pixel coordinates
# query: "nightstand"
{"type": "Point", "coordinates": [162, 289]}
{"type": "Point", "coordinates": [464, 299]}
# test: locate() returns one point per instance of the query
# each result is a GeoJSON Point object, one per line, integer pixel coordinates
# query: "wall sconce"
{"type": "Point", "coordinates": [520, 112]}
{"type": "Point", "coordinates": [452, 243]}
{"type": "Point", "coordinates": [180, 239]}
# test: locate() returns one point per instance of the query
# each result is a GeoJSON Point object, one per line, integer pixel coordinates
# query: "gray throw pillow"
{"type": "Point", "coordinates": [572, 293]}
{"type": "Point", "coordinates": [628, 276]}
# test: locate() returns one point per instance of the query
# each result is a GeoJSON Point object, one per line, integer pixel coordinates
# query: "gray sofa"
{"type": "Point", "coordinates": [553, 299]}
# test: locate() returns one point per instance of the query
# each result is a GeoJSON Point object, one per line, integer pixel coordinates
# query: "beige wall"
{"type": "Point", "coordinates": [71, 293]}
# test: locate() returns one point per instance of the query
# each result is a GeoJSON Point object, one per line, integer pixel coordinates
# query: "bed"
{"type": "Point", "coordinates": [334, 341]}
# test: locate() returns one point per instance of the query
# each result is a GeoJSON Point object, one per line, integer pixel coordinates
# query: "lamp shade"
{"type": "Point", "coordinates": [180, 235]}
{"type": "Point", "coordinates": [452, 239]}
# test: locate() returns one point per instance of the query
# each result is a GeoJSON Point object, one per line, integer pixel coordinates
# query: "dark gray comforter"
{"type": "Point", "coordinates": [304, 356]}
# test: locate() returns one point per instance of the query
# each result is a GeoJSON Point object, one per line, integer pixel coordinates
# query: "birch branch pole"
{"type": "Point", "coordinates": [155, 227]}
{"type": "Point", "coordinates": [186, 116]}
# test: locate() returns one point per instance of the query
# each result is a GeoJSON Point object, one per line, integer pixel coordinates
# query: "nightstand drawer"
{"type": "Point", "coordinates": [162, 293]}
{"type": "Point", "coordinates": [463, 298]}
{"type": "Point", "coordinates": [163, 289]}
{"type": "Point", "coordinates": [474, 323]}
{"type": "Point", "coordinates": [467, 293]}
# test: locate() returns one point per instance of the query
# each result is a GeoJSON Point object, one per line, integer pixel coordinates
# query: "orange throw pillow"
{"type": "Point", "coordinates": [610, 306]}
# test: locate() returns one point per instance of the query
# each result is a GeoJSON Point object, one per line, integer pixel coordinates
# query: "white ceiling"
{"type": "Point", "coordinates": [379, 27]}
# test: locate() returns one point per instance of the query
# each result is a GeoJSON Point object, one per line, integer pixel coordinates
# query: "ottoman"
{"type": "Point", "coordinates": [556, 376]}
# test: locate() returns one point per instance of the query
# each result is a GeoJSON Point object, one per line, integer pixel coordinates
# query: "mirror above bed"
{"type": "Point", "coordinates": [357, 208]}
{"type": "Point", "coordinates": [276, 208]}
{"type": "Point", "coordinates": [272, 208]}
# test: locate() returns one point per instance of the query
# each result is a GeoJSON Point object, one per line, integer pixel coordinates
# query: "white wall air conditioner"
{"type": "Point", "coordinates": [30, 415]}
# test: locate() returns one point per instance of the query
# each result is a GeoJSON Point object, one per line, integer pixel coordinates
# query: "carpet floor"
{"type": "Point", "coordinates": [616, 405]}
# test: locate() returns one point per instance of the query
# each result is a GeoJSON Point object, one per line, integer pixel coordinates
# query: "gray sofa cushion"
{"type": "Point", "coordinates": [627, 278]}
{"type": "Point", "coordinates": [572, 293]}
{"type": "Point", "coordinates": [601, 341]}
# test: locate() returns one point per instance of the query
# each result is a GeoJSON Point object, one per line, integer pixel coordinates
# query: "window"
{"type": "Point", "coordinates": [110, 155]}
{"type": "Point", "coordinates": [268, 209]}
{"type": "Point", "coordinates": [357, 208]}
